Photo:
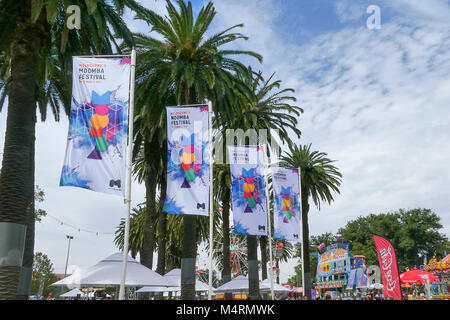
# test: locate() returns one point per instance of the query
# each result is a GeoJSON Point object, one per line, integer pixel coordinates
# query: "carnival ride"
{"type": "Point", "coordinates": [238, 255]}
{"type": "Point", "coordinates": [430, 279]}
{"type": "Point", "coordinates": [441, 269]}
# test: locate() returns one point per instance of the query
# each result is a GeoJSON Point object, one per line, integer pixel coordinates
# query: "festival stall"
{"type": "Point", "coordinates": [338, 273]}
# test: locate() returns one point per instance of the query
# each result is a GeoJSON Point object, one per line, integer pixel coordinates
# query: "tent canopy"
{"type": "Point", "coordinates": [158, 289]}
{"type": "Point", "coordinates": [73, 294]}
{"type": "Point", "coordinates": [108, 273]}
{"type": "Point", "coordinates": [417, 275]}
{"type": "Point", "coordinates": [240, 283]}
{"type": "Point", "coordinates": [265, 286]}
{"type": "Point", "coordinates": [174, 276]}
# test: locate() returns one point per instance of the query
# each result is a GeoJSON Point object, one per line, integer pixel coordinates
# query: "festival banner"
{"type": "Point", "coordinates": [248, 190]}
{"type": "Point", "coordinates": [188, 161]}
{"type": "Point", "coordinates": [286, 198]}
{"type": "Point", "coordinates": [351, 279]}
{"type": "Point", "coordinates": [362, 280]}
{"type": "Point", "coordinates": [98, 127]}
{"type": "Point", "coordinates": [388, 266]}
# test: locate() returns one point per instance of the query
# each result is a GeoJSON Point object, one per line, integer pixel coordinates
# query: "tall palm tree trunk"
{"type": "Point", "coordinates": [226, 271]}
{"type": "Point", "coordinates": [263, 246]}
{"type": "Point", "coordinates": [263, 249]}
{"type": "Point", "coordinates": [28, 255]}
{"type": "Point", "coordinates": [188, 257]}
{"type": "Point", "coordinates": [146, 254]}
{"type": "Point", "coordinates": [189, 253]}
{"type": "Point", "coordinates": [305, 244]}
{"type": "Point", "coordinates": [162, 232]}
{"type": "Point", "coordinates": [17, 166]}
{"type": "Point", "coordinates": [253, 274]}
{"type": "Point", "coordinates": [161, 266]}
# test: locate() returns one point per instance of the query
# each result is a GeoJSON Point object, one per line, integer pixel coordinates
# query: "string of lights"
{"type": "Point", "coordinates": [62, 223]}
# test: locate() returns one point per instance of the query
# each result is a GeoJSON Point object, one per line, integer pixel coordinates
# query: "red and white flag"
{"type": "Point", "coordinates": [388, 266]}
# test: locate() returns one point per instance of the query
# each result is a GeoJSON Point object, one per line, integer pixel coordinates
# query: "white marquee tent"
{"type": "Point", "coordinates": [174, 276]}
{"type": "Point", "coordinates": [108, 272]}
{"type": "Point", "coordinates": [238, 284]}
{"type": "Point", "coordinates": [158, 289]}
{"type": "Point", "coordinates": [73, 294]}
{"type": "Point", "coordinates": [265, 286]}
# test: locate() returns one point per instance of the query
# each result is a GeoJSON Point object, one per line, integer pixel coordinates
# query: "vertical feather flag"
{"type": "Point", "coordinates": [389, 269]}
{"type": "Point", "coordinates": [98, 130]}
{"type": "Point", "coordinates": [248, 190]}
{"type": "Point", "coordinates": [188, 161]}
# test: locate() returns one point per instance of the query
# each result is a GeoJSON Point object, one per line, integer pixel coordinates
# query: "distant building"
{"type": "Point", "coordinates": [60, 276]}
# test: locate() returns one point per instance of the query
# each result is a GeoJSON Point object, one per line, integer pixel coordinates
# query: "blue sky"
{"type": "Point", "coordinates": [377, 101]}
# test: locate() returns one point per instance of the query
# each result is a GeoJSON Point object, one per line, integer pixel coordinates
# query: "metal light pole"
{"type": "Point", "coordinates": [41, 286]}
{"type": "Point", "coordinates": [67, 259]}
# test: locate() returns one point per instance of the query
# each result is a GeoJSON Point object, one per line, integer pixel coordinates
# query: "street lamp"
{"type": "Point", "coordinates": [67, 259]}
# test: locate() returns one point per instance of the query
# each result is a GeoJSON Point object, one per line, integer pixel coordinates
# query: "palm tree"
{"type": "Point", "coordinates": [222, 194]}
{"type": "Point", "coordinates": [173, 235]}
{"type": "Point", "coordinates": [136, 238]}
{"type": "Point", "coordinates": [264, 106]}
{"type": "Point", "coordinates": [319, 178]}
{"type": "Point", "coordinates": [150, 145]}
{"type": "Point", "coordinates": [147, 167]}
{"type": "Point", "coordinates": [37, 47]}
{"type": "Point", "coordinates": [191, 66]}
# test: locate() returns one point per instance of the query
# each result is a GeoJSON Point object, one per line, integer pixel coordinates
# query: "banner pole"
{"type": "Point", "coordinates": [128, 182]}
{"type": "Point", "coordinates": [211, 204]}
{"type": "Point", "coordinates": [301, 229]}
{"type": "Point", "coordinates": [266, 168]}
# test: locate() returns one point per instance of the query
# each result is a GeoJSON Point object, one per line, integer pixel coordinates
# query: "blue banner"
{"type": "Point", "coordinates": [98, 130]}
{"type": "Point", "coordinates": [188, 161]}
{"type": "Point", "coordinates": [286, 198]}
{"type": "Point", "coordinates": [248, 190]}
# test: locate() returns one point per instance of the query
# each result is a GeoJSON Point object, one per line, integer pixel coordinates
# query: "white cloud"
{"type": "Point", "coordinates": [434, 10]}
{"type": "Point", "coordinates": [349, 11]}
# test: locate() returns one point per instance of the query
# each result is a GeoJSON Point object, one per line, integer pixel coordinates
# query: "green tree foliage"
{"type": "Point", "coordinates": [43, 271]}
{"type": "Point", "coordinates": [414, 233]}
{"type": "Point", "coordinates": [39, 195]}
{"type": "Point", "coordinates": [173, 235]}
{"type": "Point", "coordinates": [138, 219]}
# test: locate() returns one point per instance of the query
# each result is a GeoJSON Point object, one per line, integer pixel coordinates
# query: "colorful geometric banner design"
{"type": "Point", "coordinates": [97, 140]}
{"type": "Point", "coordinates": [351, 279]}
{"type": "Point", "coordinates": [286, 196]}
{"type": "Point", "coordinates": [188, 161]}
{"type": "Point", "coordinates": [248, 190]}
{"type": "Point", "coordinates": [388, 266]}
